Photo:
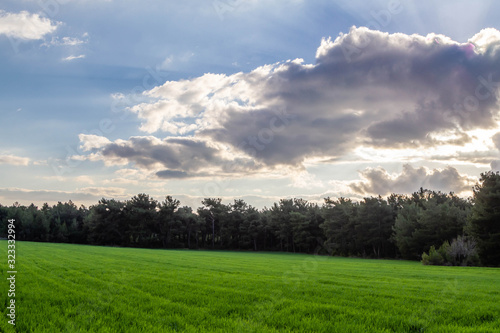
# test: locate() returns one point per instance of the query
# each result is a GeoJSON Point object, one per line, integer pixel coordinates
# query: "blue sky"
{"type": "Point", "coordinates": [251, 99]}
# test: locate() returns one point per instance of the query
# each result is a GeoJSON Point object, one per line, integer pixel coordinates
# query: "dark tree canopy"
{"type": "Point", "coordinates": [484, 220]}
{"type": "Point", "coordinates": [428, 218]}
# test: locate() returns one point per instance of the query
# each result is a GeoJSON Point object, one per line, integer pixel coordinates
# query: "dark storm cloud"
{"type": "Point", "coordinates": [373, 88]}
{"type": "Point", "coordinates": [173, 153]}
{"type": "Point", "coordinates": [172, 174]}
{"type": "Point", "coordinates": [171, 158]}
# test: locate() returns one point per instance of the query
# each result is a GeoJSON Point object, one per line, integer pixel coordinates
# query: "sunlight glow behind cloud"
{"type": "Point", "coordinates": [407, 95]}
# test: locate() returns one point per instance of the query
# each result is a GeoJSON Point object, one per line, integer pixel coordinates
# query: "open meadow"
{"type": "Point", "coordinates": [80, 288]}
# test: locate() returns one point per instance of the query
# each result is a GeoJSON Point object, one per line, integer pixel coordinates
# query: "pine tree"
{"type": "Point", "coordinates": [484, 221]}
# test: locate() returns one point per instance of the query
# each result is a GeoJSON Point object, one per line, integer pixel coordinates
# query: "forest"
{"type": "Point", "coordinates": [435, 227]}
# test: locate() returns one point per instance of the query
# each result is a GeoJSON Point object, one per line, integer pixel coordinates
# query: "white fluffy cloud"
{"type": "Point", "coordinates": [25, 26]}
{"type": "Point", "coordinates": [183, 100]}
{"type": "Point", "coordinates": [92, 141]}
{"type": "Point", "coordinates": [14, 160]}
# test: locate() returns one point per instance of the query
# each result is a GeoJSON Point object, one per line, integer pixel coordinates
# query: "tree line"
{"type": "Point", "coordinates": [399, 226]}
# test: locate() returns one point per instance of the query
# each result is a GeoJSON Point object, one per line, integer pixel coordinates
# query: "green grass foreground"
{"type": "Point", "coordinates": [80, 288]}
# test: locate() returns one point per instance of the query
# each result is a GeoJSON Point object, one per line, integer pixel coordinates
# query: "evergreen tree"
{"type": "Point", "coordinates": [484, 221]}
{"type": "Point", "coordinates": [339, 225]}
{"type": "Point", "coordinates": [106, 223]}
{"type": "Point", "coordinates": [374, 226]}
{"type": "Point", "coordinates": [169, 225]}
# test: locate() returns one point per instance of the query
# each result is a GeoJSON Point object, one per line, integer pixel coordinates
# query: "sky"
{"type": "Point", "coordinates": [246, 99]}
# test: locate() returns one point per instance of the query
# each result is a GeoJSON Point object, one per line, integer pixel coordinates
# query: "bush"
{"type": "Point", "coordinates": [461, 252]}
{"type": "Point", "coordinates": [444, 252]}
{"type": "Point", "coordinates": [433, 258]}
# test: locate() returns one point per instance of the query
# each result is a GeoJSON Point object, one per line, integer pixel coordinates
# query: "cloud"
{"type": "Point", "coordinates": [172, 157]}
{"type": "Point", "coordinates": [366, 89]}
{"type": "Point", "coordinates": [175, 62]}
{"type": "Point", "coordinates": [91, 141]}
{"type": "Point", "coordinates": [172, 174]}
{"type": "Point", "coordinates": [166, 63]}
{"type": "Point", "coordinates": [67, 41]}
{"type": "Point", "coordinates": [378, 181]}
{"type": "Point", "coordinates": [85, 179]}
{"type": "Point", "coordinates": [14, 160]}
{"type": "Point", "coordinates": [121, 181]}
{"type": "Point", "coordinates": [495, 164]}
{"type": "Point", "coordinates": [473, 157]}
{"type": "Point", "coordinates": [305, 180]}
{"type": "Point", "coordinates": [181, 100]}
{"type": "Point", "coordinates": [487, 42]}
{"type": "Point", "coordinates": [25, 26]}
{"type": "Point", "coordinates": [496, 140]}
{"type": "Point", "coordinates": [127, 172]}
{"type": "Point", "coordinates": [73, 57]}
{"type": "Point", "coordinates": [88, 196]}
{"type": "Point", "coordinates": [173, 153]}
{"type": "Point", "coordinates": [107, 192]}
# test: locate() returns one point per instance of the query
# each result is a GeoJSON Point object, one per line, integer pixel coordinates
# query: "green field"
{"type": "Point", "coordinates": [79, 288]}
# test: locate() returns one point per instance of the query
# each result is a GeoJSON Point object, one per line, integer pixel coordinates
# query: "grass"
{"type": "Point", "coordinates": [79, 288]}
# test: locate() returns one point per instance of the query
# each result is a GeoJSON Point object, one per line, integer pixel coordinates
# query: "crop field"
{"type": "Point", "coordinates": [80, 288]}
